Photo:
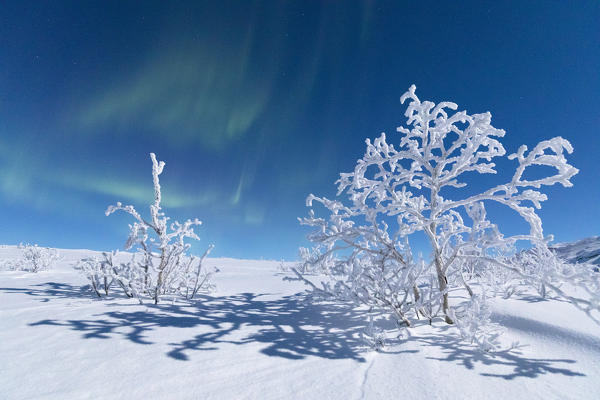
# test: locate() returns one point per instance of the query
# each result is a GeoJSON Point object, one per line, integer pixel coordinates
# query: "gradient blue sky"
{"type": "Point", "coordinates": [255, 104]}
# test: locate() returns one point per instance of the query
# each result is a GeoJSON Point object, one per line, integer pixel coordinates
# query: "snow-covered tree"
{"type": "Point", "coordinates": [162, 264]}
{"type": "Point", "coordinates": [362, 249]}
{"type": "Point", "coordinates": [34, 258]}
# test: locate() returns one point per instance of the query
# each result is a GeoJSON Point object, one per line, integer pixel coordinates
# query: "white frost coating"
{"type": "Point", "coordinates": [162, 265]}
{"type": "Point", "coordinates": [33, 258]}
{"type": "Point", "coordinates": [362, 248]}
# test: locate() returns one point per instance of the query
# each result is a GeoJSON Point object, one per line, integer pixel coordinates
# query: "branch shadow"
{"type": "Point", "coordinates": [49, 290]}
{"type": "Point", "coordinates": [290, 327]}
{"type": "Point", "coordinates": [294, 327]}
{"type": "Point", "coordinates": [540, 299]}
{"type": "Point", "coordinates": [456, 350]}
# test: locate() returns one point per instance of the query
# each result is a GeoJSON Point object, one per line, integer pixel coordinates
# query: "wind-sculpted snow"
{"type": "Point", "coordinates": [260, 337]}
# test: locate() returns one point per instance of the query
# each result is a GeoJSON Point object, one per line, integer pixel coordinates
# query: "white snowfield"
{"type": "Point", "coordinates": [256, 337]}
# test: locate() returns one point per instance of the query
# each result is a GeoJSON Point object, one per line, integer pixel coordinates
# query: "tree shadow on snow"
{"type": "Point", "coordinates": [48, 290]}
{"type": "Point", "coordinates": [290, 327]}
{"type": "Point", "coordinates": [513, 361]}
{"type": "Point", "coordinates": [293, 327]}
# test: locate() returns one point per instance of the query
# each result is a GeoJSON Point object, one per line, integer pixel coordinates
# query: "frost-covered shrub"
{"type": "Point", "coordinates": [473, 320]}
{"type": "Point", "coordinates": [373, 336]}
{"type": "Point", "coordinates": [362, 249]}
{"type": "Point", "coordinates": [102, 273]}
{"type": "Point", "coordinates": [160, 264]}
{"type": "Point", "coordinates": [34, 258]}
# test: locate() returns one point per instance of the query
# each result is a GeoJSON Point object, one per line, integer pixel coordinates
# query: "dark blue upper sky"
{"type": "Point", "coordinates": [255, 104]}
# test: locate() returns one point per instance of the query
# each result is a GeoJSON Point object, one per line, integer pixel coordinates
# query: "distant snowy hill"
{"type": "Point", "coordinates": [583, 251]}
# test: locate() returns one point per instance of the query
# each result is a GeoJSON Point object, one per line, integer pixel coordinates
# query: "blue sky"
{"type": "Point", "coordinates": [255, 104]}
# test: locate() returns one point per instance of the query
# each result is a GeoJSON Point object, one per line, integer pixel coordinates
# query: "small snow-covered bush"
{"type": "Point", "coordinates": [362, 251]}
{"type": "Point", "coordinates": [473, 320]}
{"type": "Point", "coordinates": [34, 258]}
{"type": "Point", "coordinates": [101, 273]}
{"type": "Point", "coordinates": [161, 264]}
{"type": "Point", "coordinates": [373, 336]}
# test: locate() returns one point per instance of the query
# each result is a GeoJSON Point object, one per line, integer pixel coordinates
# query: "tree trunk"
{"type": "Point", "coordinates": [161, 270]}
{"type": "Point", "coordinates": [443, 283]}
{"type": "Point", "coordinates": [441, 275]}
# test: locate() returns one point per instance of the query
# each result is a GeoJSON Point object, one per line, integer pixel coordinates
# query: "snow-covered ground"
{"type": "Point", "coordinates": [257, 338]}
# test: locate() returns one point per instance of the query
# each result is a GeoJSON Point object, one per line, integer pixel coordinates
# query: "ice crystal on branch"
{"type": "Point", "coordinates": [361, 249]}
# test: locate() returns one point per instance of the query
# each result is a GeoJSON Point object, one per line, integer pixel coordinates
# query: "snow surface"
{"type": "Point", "coordinates": [257, 338]}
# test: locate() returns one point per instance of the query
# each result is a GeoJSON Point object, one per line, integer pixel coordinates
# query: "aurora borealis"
{"type": "Point", "coordinates": [255, 104]}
